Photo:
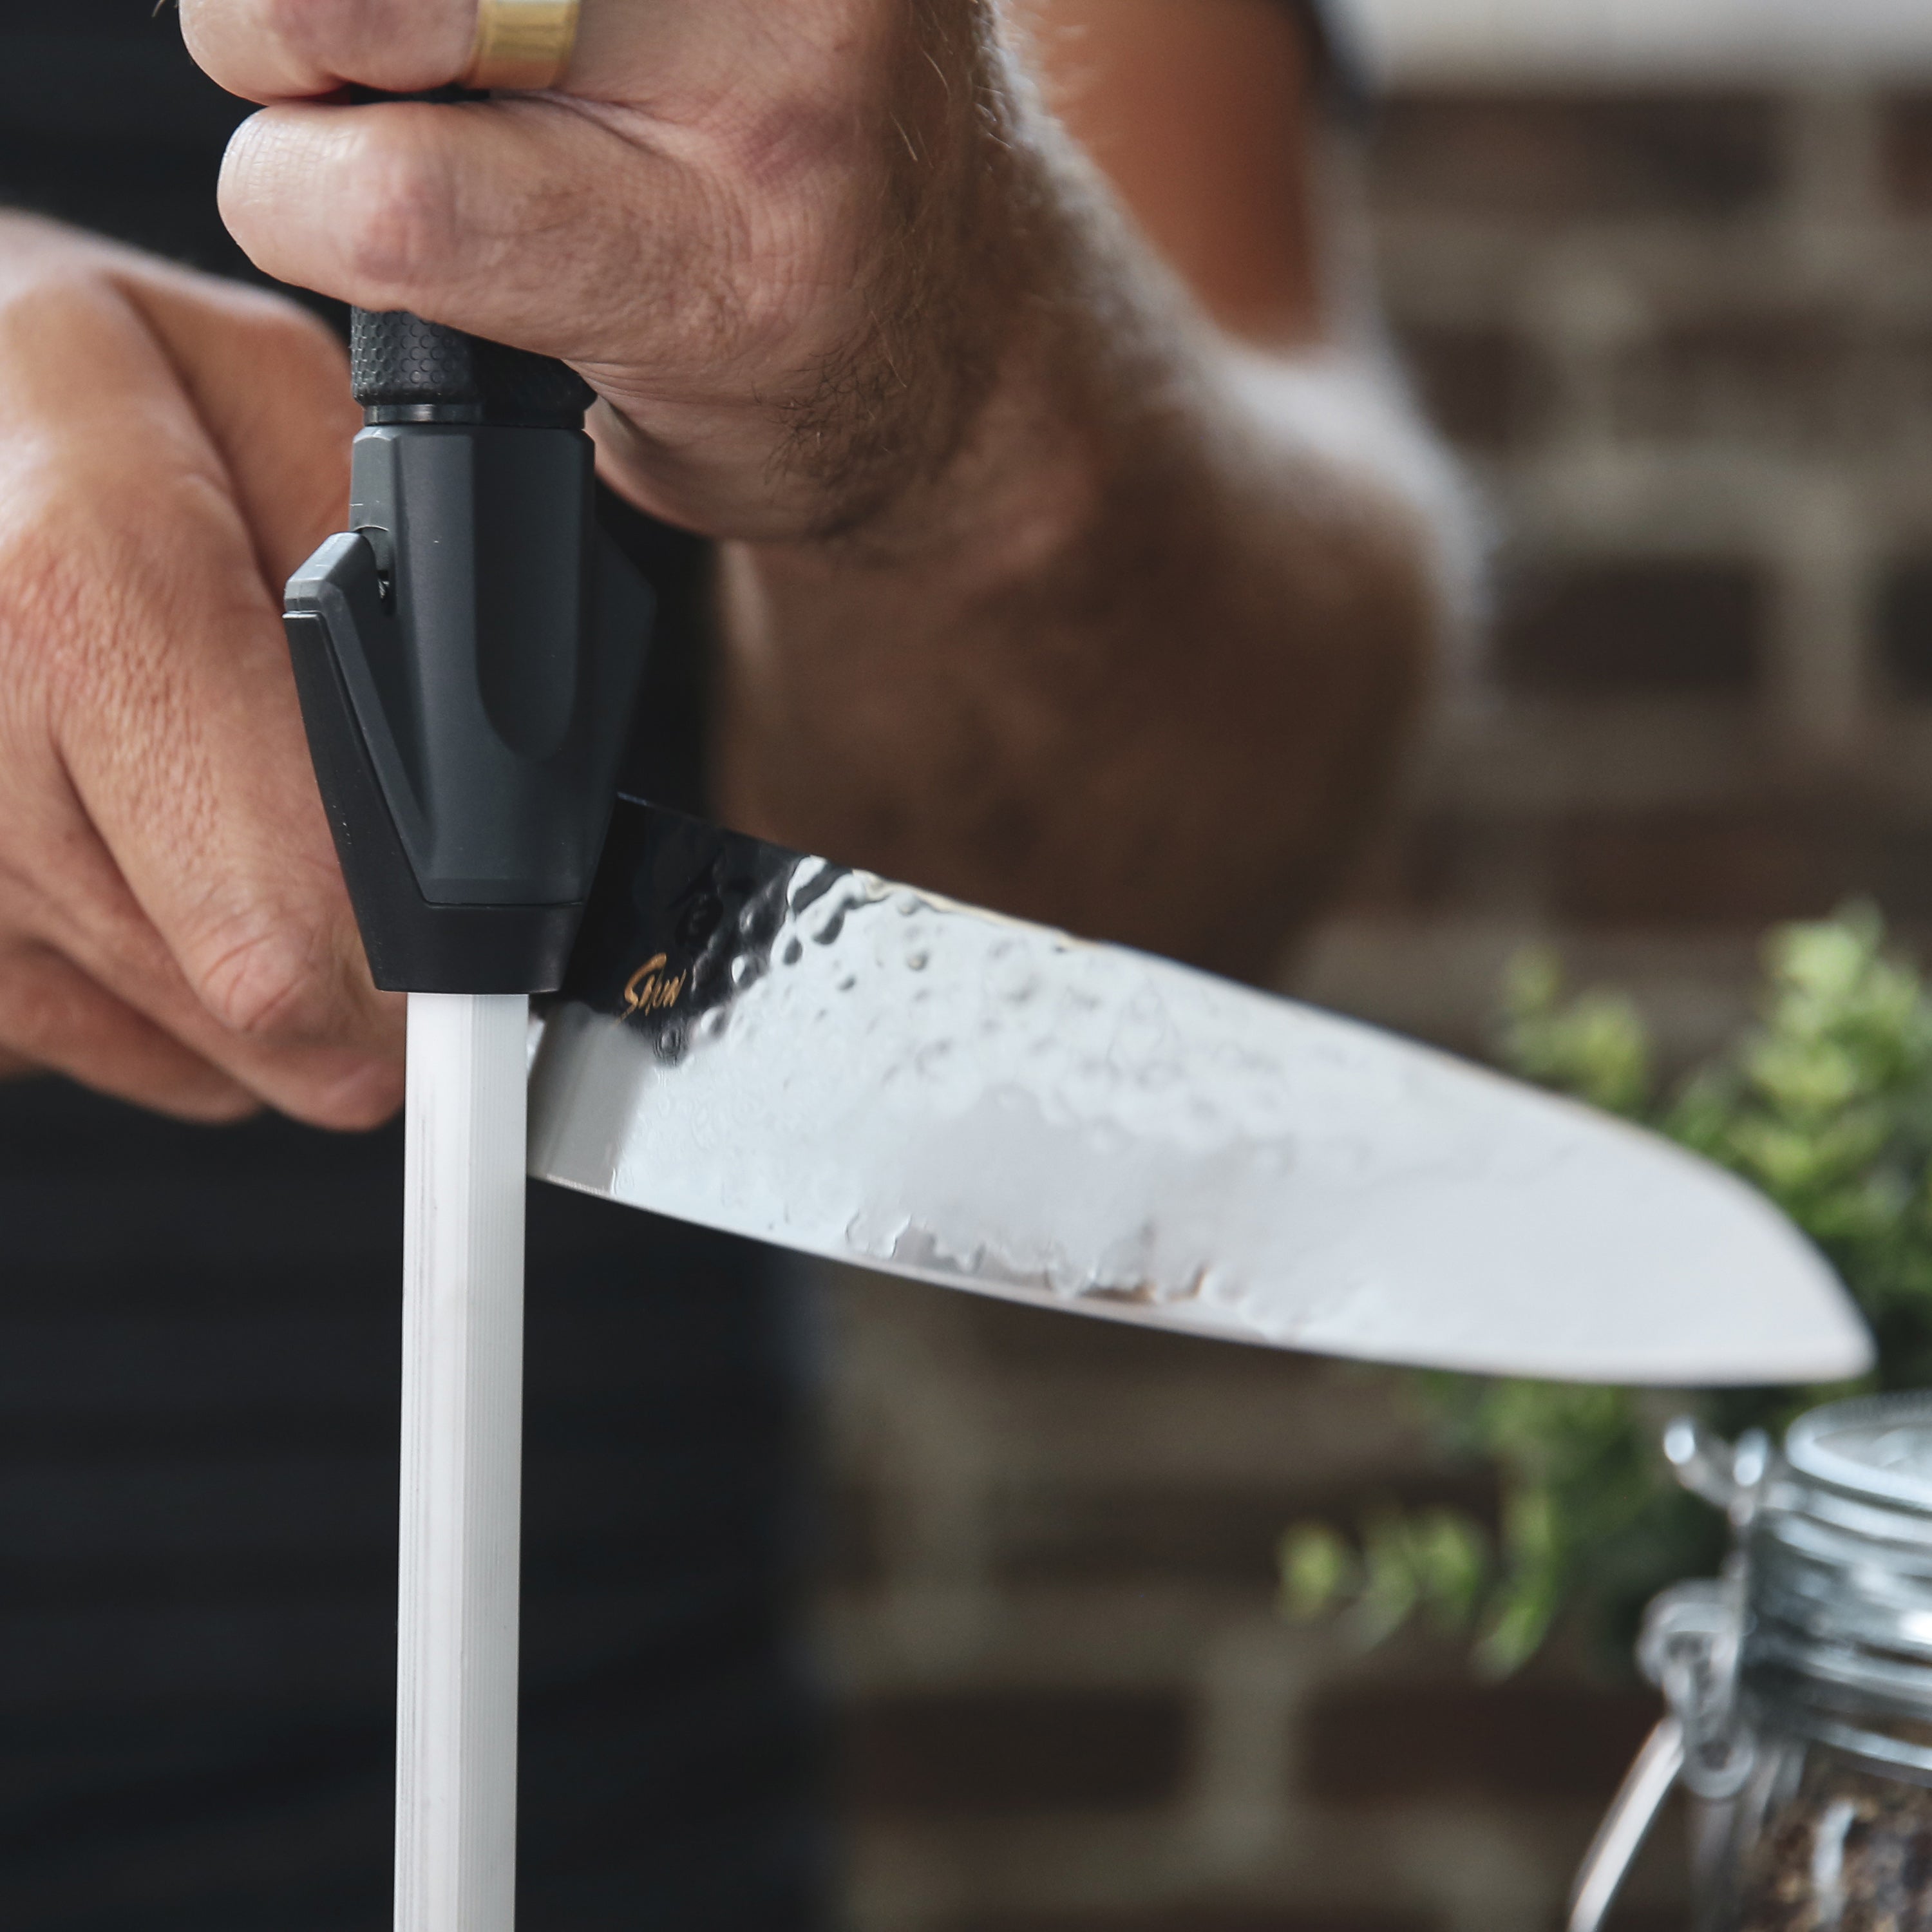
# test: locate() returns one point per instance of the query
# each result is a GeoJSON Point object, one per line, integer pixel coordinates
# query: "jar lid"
{"type": "Point", "coordinates": [1878, 1450]}
{"type": "Point", "coordinates": [1839, 1598]}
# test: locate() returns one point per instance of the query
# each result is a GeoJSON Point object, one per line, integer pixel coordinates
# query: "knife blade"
{"type": "Point", "coordinates": [774, 1046]}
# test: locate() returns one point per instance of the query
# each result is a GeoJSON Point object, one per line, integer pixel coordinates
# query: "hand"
{"type": "Point", "coordinates": [173, 927]}
{"type": "Point", "coordinates": [784, 241]}
{"type": "Point", "coordinates": [1032, 584]}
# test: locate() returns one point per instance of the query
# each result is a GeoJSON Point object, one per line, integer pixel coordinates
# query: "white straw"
{"type": "Point", "coordinates": [463, 1368]}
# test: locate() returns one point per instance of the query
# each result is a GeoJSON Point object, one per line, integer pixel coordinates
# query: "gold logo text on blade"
{"type": "Point", "coordinates": [651, 990]}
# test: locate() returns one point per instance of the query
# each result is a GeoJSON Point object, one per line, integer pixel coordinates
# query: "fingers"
{"type": "Point", "coordinates": [280, 50]}
{"type": "Point", "coordinates": [159, 822]}
{"type": "Point", "coordinates": [288, 49]}
{"type": "Point", "coordinates": [223, 903]}
{"type": "Point", "coordinates": [54, 1019]}
{"type": "Point", "coordinates": [175, 926]}
{"type": "Point", "coordinates": [698, 222]}
{"type": "Point", "coordinates": [275, 401]}
{"type": "Point", "coordinates": [103, 933]}
{"type": "Point", "coordinates": [474, 215]}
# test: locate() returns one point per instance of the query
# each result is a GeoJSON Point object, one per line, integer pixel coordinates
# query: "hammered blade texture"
{"type": "Point", "coordinates": [770, 1044]}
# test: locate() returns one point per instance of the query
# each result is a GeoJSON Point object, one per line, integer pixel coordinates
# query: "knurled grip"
{"type": "Point", "coordinates": [398, 362]}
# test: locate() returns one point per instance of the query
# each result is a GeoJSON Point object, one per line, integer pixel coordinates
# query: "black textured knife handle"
{"type": "Point", "coordinates": [406, 370]}
{"type": "Point", "coordinates": [403, 369]}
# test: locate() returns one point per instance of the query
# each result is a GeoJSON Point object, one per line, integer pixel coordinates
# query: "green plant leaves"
{"type": "Point", "coordinates": [1825, 1104]}
{"type": "Point", "coordinates": [1437, 1561]}
{"type": "Point", "coordinates": [1595, 1046]}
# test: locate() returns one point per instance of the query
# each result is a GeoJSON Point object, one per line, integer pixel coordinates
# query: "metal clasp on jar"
{"type": "Point", "coordinates": [1692, 1633]}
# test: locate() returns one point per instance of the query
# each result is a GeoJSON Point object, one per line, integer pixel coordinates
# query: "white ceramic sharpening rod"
{"type": "Point", "coordinates": [468, 781]}
{"type": "Point", "coordinates": [462, 1373]}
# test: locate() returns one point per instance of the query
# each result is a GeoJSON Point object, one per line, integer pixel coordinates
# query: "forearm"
{"type": "Point", "coordinates": [1137, 657]}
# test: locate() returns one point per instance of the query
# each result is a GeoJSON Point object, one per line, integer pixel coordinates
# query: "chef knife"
{"type": "Point", "coordinates": [786, 1048]}
{"type": "Point", "coordinates": [770, 1044]}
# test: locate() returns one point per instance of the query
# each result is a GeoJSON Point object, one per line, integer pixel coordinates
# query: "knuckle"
{"type": "Point", "coordinates": [398, 44]}
{"type": "Point", "coordinates": [303, 32]}
{"type": "Point", "coordinates": [404, 228]}
{"type": "Point", "coordinates": [61, 315]}
{"type": "Point", "coordinates": [265, 978]}
{"type": "Point", "coordinates": [288, 26]}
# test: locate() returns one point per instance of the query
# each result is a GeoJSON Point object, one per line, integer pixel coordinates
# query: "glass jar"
{"type": "Point", "coordinates": [1798, 1686]}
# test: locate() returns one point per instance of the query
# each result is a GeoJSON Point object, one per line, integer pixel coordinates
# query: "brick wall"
{"type": "Point", "coordinates": [1068, 1704]}
{"type": "Point", "coordinates": [1685, 341]}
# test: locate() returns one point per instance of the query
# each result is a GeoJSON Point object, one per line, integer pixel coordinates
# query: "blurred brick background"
{"type": "Point", "coordinates": [1683, 340]}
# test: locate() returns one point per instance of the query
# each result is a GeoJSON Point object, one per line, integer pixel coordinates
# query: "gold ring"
{"type": "Point", "coordinates": [521, 46]}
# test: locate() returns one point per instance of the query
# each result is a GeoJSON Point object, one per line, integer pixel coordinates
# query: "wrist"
{"type": "Point", "coordinates": [1088, 379]}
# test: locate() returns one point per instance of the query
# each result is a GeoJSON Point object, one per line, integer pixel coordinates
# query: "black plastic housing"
{"type": "Point", "coordinates": [467, 656]}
